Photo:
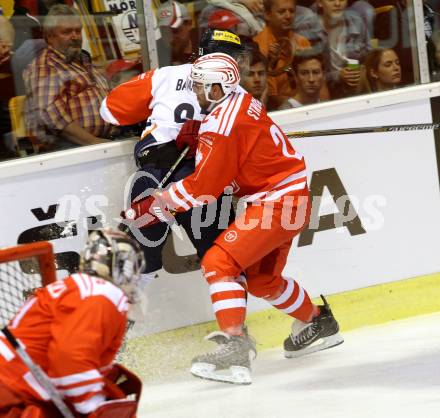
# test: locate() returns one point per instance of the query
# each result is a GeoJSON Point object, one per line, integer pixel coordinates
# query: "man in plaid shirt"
{"type": "Point", "coordinates": [63, 90]}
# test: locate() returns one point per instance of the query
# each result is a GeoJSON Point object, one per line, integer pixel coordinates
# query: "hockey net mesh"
{"type": "Point", "coordinates": [21, 273]}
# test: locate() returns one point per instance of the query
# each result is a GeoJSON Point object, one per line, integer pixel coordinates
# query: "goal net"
{"type": "Point", "coordinates": [23, 269]}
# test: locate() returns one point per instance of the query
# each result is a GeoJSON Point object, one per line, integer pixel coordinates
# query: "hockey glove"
{"type": "Point", "coordinates": [148, 212]}
{"type": "Point", "coordinates": [188, 136]}
{"type": "Point", "coordinates": [120, 384]}
{"type": "Point", "coordinates": [121, 408]}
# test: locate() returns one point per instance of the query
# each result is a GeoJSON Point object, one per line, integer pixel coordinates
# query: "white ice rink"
{"type": "Point", "coordinates": [387, 371]}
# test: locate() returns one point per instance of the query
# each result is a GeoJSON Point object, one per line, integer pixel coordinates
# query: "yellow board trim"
{"type": "Point", "coordinates": [160, 355]}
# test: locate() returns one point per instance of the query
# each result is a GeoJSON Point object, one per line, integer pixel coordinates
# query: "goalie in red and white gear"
{"type": "Point", "coordinates": [73, 329]}
{"type": "Point", "coordinates": [240, 146]}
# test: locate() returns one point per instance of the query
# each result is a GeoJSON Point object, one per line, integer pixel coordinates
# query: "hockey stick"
{"type": "Point", "coordinates": [126, 228]}
{"type": "Point", "coordinates": [364, 130]}
{"type": "Point", "coordinates": [39, 375]}
{"type": "Point", "coordinates": [168, 174]}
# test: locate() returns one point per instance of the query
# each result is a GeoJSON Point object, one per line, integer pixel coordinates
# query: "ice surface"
{"type": "Point", "coordinates": [386, 371]}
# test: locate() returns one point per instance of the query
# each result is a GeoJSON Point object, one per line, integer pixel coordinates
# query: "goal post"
{"type": "Point", "coordinates": [23, 268]}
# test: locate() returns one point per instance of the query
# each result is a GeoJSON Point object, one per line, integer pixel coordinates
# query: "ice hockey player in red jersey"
{"type": "Point", "coordinates": [240, 146]}
{"type": "Point", "coordinates": [72, 329]}
{"type": "Point", "coordinates": [162, 97]}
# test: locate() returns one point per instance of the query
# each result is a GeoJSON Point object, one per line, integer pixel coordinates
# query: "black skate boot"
{"type": "Point", "coordinates": [230, 362]}
{"type": "Point", "coordinates": [320, 334]}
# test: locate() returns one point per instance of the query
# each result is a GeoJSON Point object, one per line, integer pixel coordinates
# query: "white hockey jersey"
{"type": "Point", "coordinates": [161, 96]}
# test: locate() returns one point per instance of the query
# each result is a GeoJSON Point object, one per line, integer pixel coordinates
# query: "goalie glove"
{"type": "Point", "coordinates": [120, 408]}
{"type": "Point", "coordinates": [121, 382]}
{"type": "Point", "coordinates": [188, 136]}
{"type": "Point", "coordinates": [148, 212]}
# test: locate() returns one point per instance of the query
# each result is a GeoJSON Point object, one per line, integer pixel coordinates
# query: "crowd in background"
{"type": "Point", "coordinates": [299, 52]}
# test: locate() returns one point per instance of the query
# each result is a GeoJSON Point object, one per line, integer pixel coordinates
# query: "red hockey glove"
{"type": "Point", "coordinates": [121, 408]}
{"type": "Point", "coordinates": [148, 212]}
{"type": "Point", "coordinates": [188, 136]}
{"type": "Point", "coordinates": [119, 384]}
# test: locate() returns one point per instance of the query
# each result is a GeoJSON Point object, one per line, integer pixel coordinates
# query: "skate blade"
{"type": "Point", "coordinates": [322, 344]}
{"type": "Point", "coordinates": [236, 375]}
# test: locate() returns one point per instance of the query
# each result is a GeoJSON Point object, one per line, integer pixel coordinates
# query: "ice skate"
{"type": "Point", "coordinates": [230, 362]}
{"type": "Point", "coordinates": [320, 334]}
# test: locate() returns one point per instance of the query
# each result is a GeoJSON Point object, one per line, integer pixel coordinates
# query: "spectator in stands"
{"type": "Point", "coordinates": [6, 85]}
{"type": "Point", "coordinates": [279, 44]}
{"type": "Point", "coordinates": [179, 37]}
{"type": "Point", "coordinates": [63, 90]}
{"type": "Point", "coordinates": [309, 76]}
{"type": "Point", "coordinates": [243, 17]}
{"type": "Point", "coordinates": [28, 16]}
{"type": "Point", "coordinates": [435, 56]}
{"type": "Point", "coordinates": [346, 38]}
{"type": "Point", "coordinates": [119, 71]}
{"type": "Point", "coordinates": [383, 69]}
{"type": "Point", "coordinates": [392, 30]}
{"type": "Point", "coordinates": [306, 23]}
{"type": "Point", "coordinates": [7, 35]}
{"type": "Point", "coordinates": [254, 78]}
{"type": "Point", "coordinates": [367, 13]}
{"type": "Point", "coordinates": [431, 26]}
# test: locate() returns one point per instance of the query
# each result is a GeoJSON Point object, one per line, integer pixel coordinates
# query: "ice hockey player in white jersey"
{"type": "Point", "coordinates": [164, 98]}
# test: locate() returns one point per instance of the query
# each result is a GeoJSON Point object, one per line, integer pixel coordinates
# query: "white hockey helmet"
{"type": "Point", "coordinates": [216, 68]}
{"type": "Point", "coordinates": [114, 256]}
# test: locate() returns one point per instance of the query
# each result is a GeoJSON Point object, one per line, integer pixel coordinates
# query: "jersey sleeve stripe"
{"type": "Point", "coordinates": [276, 195]}
{"type": "Point", "coordinates": [81, 390]}
{"type": "Point", "coordinates": [82, 383]}
{"type": "Point", "coordinates": [89, 405]}
{"type": "Point", "coordinates": [106, 114]}
{"type": "Point", "coordinates": [28, 305]}
{"type": "Point", "coordinates": [297, 182]}
{"type": "Point", "coordinates": [177, 200]}
{"type": "Point", "coordinates": [76, 378]}
{"type": "Point", "coordinates": [181, 188]}
{"type": "Point", "coordinates": [296, 176]}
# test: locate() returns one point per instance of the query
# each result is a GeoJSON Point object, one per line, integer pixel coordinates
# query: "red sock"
{"type": "Point", "coordinates": [295, 301]}
{"type": "Point", "coordinates": [229, 303]}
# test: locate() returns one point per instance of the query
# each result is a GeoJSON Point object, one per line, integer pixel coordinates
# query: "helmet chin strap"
{"type": "Point", "coordinates": [207, 89]}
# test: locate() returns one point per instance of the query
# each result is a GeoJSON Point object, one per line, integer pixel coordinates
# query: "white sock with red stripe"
{"type": "Point", "coordinates": [229, 303]}
{"type": "Point", "coordinates": [294, 301]}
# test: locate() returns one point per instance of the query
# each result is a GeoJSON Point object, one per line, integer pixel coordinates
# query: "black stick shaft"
{"type": "Point", "coordinates": [364, 130]}
{"type": "Point", "coordinates": [167, 175]}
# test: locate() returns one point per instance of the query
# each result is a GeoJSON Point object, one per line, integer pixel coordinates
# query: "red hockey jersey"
{"type": "Point", "coordinates": [73, 329]}
{"type": "Point", "coordinates": [240, 145]}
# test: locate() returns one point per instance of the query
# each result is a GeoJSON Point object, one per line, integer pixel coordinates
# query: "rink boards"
{"type": "Point", "coordinates": [389, 181]}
